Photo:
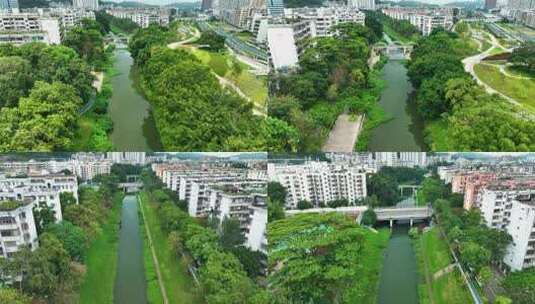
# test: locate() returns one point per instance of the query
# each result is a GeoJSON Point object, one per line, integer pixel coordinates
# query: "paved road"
{"type": "Point", "coordinates": [344, 134]}
{"type": "Point", "coordinates": [195, 36]}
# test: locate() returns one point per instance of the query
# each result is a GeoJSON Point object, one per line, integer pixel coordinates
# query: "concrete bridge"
{"type": "Point", "coordinates": [394, 50]}
{"type": "Point", "coordinates": [392, 214]}
{"type": "Point", "coordinates": [130, 187]}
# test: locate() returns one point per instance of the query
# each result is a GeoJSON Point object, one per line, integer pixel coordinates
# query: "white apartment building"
{"type": "Point", "coordinates": [362, 4]}
{"type": "Point", "coordinates": [510, 206]}
{"type": "Point", "coordinates": [67, 17]}
{"type": "Point", "coordinates": [132, 158]}
{"type": "Point", "coordinates": [142, 16]}
{"type": "Point", "coordinates": [86, 4]}
{"type": "Point", "coordinates": [87, 170]}
{"type": "Point", "coordinates": [21, 28]}
{"type": "Point", "coordinates": [286, 42]}
{"type": "Point", "coordinates": [424, 19]}
{"type": "Point", "coordinates": [246, 202]}
{"type": "Point", "coordinates": [319, 182]}
{"type": "Point", "coordinates": [322, 19]}
{"type": "Point", "coordinates": [17, 227]}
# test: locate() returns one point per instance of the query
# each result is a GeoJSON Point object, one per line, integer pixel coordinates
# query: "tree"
{"type": "Point", "coordinates": [384, 187]}
{"type": "Point", "coordinates": [73, 239]}
{"type": "Point", "coordinates": [524, 55]}
{"type": "Point", "coordinates": [175, 242]}
{"type": "Point", "coordinates": [485, 275]}
{"type": "Point", "coordinates": [44, 121]}
{"type": "Point", "coordinates": [252, 261]}
{"type": "Point", "coordinates": [474, 255]}
{"type": "Point", "coordinates": [16, 80]}
{"type": "Point", "coordinates": [304, 204]}
{"type": "Point", "coordinates": [519, 286]}
{"type": "Point", "coordinates": [275, 210]}
{"type": "Point", "coordinates": [369, 217]}
{"type": "Point", "coordinates": [43, 216]}
{"type": "Point", "coordinates": [373, 22]}
{"type": "Point", "coordinates": [66, 199]}
{"type": "Point", "coordinates": [231, 234]}
{"type": "Point", "coordinates": [88, 42]}
{"type": "Point", "coordinates": [276, 191]}
{"type": "Point", "coordinates": [211, 41]}
{"type": "Point", "coordinates": [502, 300]}
{"type": "Point", "coordinates": [13, 296]}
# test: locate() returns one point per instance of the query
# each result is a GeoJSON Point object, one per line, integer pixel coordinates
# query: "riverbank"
{"type": "Point", "coordinates": [179, 285]}
{"type": "Point", "coordinates": [440, 282]}
{"type": "Point", "coordinates": [101, 260]}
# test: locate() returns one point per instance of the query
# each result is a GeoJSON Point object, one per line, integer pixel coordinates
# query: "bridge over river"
{"type": "Point", "coordinates": [392, 214]}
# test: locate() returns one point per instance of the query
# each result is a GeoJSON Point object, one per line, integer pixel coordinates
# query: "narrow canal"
{"type": "Point", "coordinates": [130, 283]}
{"type": "Point", "coordinates": [134, 128]}
{"type": "Point", "coordinates": [404, 132]}
{"type": "Point", "coordinates": [399, 277]}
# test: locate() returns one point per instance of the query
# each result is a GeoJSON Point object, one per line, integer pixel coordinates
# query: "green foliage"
{"type": "Point", "coordinates": [231, 235]}
{"type": "Point", "coordinates": [212, 40]}
{"type": "Point", "coordinates": [16, 80]}
{"type": "Point", "coordinates": [333, 77]}
{"type": "Point", "coordinates": [304, 204]}
{"type": "Point", "coordinates": [73, 239]}
{"type": "Point", "coordinates": [519, 286]}
{"type": "Point", "coordinates": [191, 110]}
{"type": "Point", "coordinates": [321, 258]}
{"type": "Point", "coordinates": [66, 199]}
{"type": "Point", "coordinates": [373, 21]}
{"type": "Point", "coordinates": [13, 296]}
{"type": "Point", "coordinates": [384, 184]}
{"type": "Point", "coordinates": [252, 261]}
{"type": "Point", "coordinates": [524, 55]}
{"type": "Point", "coordinates": [110, 23]}
{"type": "Point", "coordinates": [43, 216]}
{"type": "Point", "coordinates": [369, 217]}
{"type": "Point", "coordinates": [474, 255]}
{"type": "Point", "coordinates": [88, 42]}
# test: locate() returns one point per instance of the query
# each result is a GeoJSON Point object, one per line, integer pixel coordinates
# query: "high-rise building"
{"type": "Point", "coordinates": [87, 4]}
{"type": "Point", "coordinates": [9, 5]}
{"type": "Point", "coordinates": [510, 206]}
{"type": "Point", "coordinates": [275, 8]}
{"type": "Point", "coordinates": [490, 4]}
{"type": "Point", "coordinates": [133, 158]}
{"type": "Point", "coordinates": [319, 182]}
{"type": "Point", "coordinates": [362, 4]}
{"type": "Point", "coordinates": [206, 5]}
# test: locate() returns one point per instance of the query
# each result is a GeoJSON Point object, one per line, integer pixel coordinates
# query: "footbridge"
{"type": "Point", "coordinates": [394, 50]}
{"type": "Point", "coordinates": [130, 187]}
{"type": "Point", "coordinates": [392, 214]}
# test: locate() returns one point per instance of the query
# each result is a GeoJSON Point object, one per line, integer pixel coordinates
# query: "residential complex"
{"type": "Point", "coordinates": [142, 16]}
{"type": "Point", "coordinates": [424, 19]}
{"type": "Point", "coordinates": [86, 4]}
{"type": "Point", "coordinates": [9, 5]}
{"type": "Point", "coordinates": [17, 227]}
{"type": "Point", "coordinates": [510, 205]}
{"type": "Point", "coordinates": [288, 38]}
{"type": "Point", "coordinates": [219, 191]}
{"type": "Point", "coordinates": [362, 4]}
{"type": "Point", "coordinates": [319, 182]}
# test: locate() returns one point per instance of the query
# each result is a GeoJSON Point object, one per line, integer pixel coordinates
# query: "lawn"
{"type": "Point", "coordinates": [522, 90]}
{"type": "Point", "coordinates": [154, 294]}
{"type": "Point", "coordinates": [101, 260]}
{"type": "Point", "coordinates": [253, 86]}
{"type": "Point", "coordinates": [433, 255]}
{"type": "Point", "coordinates": [179, 285]}
{"type": "Point", "coordinates": [372, 257]}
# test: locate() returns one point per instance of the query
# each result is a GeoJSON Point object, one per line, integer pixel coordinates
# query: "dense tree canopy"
{"type": "Point", "coordinates": [524, 55]}
{"type": "Point", "coordinates": [212, 41]}
{"type": "Point", "coordinates": [192, 111]}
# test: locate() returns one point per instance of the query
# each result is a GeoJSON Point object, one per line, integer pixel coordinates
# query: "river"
{"type": "Point", "coordinates": [134, 128]}
{"type": "Point", "coordinates": [404, 132]}
{"type": "Point", "coordinates": [399, 277]}
{"type": "Point", "coordinates": [130, 283]}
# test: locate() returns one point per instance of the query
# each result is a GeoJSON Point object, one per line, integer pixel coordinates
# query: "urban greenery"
{"type": "Point", "coordinates": [324, 258]}
{"type": "Point", "coordinates": [476, 120]}
{"type": "Point", "coordinates": [192, 111]}
{"type": "Point", "coordinates": [333, 77]}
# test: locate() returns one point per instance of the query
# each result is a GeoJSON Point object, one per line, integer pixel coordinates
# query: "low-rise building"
{"type": "Point", "coordinates": [424, 19]}
{"type": "Point", "coordinates": [21, 28]}
{"type": "Point", "coordinates": [142, 16]}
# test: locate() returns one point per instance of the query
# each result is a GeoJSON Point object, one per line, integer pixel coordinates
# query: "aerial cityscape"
{"type": "Point", "coordinates": [267, 151]}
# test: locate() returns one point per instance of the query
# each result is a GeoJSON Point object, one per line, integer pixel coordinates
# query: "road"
{"type": "Point", "coordinates": [344, 134]}
{"type": "Point", "coordinates": [196, 35]}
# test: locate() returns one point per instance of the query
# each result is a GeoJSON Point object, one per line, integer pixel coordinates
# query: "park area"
{"type": "Point", "coordinates": [439, 284]}
{"type": "Point", "coordinates": [228, 67]}
{"type": "Point", "coordinates": [520, 88]}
